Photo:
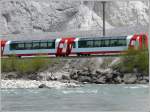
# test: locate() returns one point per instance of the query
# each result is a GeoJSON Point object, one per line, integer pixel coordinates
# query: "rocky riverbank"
{"type": "Point", "coordinates": [108, 76]}
{"type": "Point", "coordinates": [72, 79]}
{"type": "Point", "coordinates": [36, 84]}
{"type": "Point", "coordinates": [66, 73]}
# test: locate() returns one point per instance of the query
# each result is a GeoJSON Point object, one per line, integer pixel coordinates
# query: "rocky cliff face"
{"type": "Point", "coordinates": [26, 16]}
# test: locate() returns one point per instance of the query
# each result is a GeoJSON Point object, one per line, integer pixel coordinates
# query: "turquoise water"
{"type": "Point", "coordinates": [86, 98]}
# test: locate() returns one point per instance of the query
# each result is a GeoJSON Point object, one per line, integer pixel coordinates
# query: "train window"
{"type": "Point", "coordinates": [28, 45]}
{"type": "Point", "coordinates": [20, 46]}
{"type": "Point", "coordinates": [82, 44]}
{"type": "Point", "coordinates": [51, 45]}
{"type": "Point", "coordinates": [36, 45]}
{"type": "Point", "coordinates": [13, 46]}
{"type": "Point", "coordinates": [102, 43]}
{"type": "Point", "coordinates": [113, 42]}
{"type": "Point", "coordinates": [97, 43]}
{"type": "Point", "coordinates": [43, 45]}
{"type": "Point", "coordinates": [122, 42]}
{"type": "Point", "coordinates": [107, 43]}
{"type": "Point", "coordinates": [89, 43]}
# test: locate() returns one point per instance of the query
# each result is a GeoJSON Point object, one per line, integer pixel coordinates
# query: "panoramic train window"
{"type": "Point", "coordinates": [32, 45]}
{"type": "Point", "coordinates": [101, 43]}
{"type": "Point", "coordinates": [13, 46]}
{"type": "Point", "coordinates": [82, 44]}
{"type": "Point", "coordinates": [28, 45]}
{"type": "Point", "coordinates": [113, 42]}
{"type": "Point", "coordinates": [116, 42]}
{"type": "Point", "coordinates": [122, 42]}
{"type": "Point", "coordinates": [43, 45]}
{"type": "Point", "coordinates": [89, 43]}
{"type": "Point", "coordinates": [97, 43]}
{"type": "Point", "coordinates": [36, 45]}
{"type": "Point", "coordinates": [20, 46]}
{"type": "Point", "coordinates": [51, 45]}
{"type": "Point", "coordinates": [16, 46]}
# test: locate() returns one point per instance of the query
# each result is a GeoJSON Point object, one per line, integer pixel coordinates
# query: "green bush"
{"type": "Point", "coordinates": [138, 59]}
{"type": "Point", "coordinates": [24, 65]}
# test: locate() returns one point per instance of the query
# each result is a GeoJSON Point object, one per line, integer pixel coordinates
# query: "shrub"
{"type": "Point", "coordinates": [138, 59]}
{"type": "Point", "coordinates": [24, 65]}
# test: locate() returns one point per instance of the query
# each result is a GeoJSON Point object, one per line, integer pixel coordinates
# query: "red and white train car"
{"type": "Point", "coordinates": [72, 45]}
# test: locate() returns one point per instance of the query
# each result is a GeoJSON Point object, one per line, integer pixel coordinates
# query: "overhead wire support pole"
{"type": "Point", "coordinates": [103, 3]}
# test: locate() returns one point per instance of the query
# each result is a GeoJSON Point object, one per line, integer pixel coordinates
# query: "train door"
{"type": "Point", "coordinates": [65, 46]}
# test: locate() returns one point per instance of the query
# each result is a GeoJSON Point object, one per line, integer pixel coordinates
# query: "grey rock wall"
{"type": "Point", "coordinates": [26, 16]}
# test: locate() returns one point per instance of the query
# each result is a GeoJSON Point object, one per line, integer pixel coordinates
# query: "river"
{"type": "Point", "coordinates": [90, 97]}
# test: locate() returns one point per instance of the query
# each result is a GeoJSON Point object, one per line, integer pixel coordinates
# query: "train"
{"type": "Point", "coordinates": [78, 46]}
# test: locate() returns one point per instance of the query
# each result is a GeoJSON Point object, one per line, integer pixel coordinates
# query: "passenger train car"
{"type": "Point", "coordinates": [78, 46]}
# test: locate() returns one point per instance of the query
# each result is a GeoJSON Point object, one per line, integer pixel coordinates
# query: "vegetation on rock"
{"type": "Point", "coordinates": [25, 66]}
{"type": "Point", "coordinates": [134, 61]}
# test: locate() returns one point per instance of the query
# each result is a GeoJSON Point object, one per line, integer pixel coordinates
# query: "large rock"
{"type": "Point", "coordinates": [142, 81]}
{"type": "Point", "coordinates": [117, 79]}
{"type": "Point", "coordinates": [65, 77]}
{"type": "Point", "coordinates": [130, 78]}
{"type": "Point", "coordinates": [101, 80]}
{"type": "Point", "coordinates": [109, 75]}
{"type": "Point", "coordinates": [34, 77]}
{"type": "Point", "coordinates": [10, 75]}
{"type": "Point", "coordinates": [74, 75]}
{"type": "Point", "coordinates": [85, 79]}
{"type": "Point", "coordinates": [43, 86]}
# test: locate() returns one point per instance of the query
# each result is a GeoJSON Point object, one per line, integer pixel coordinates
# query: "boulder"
{"type": "Point", "coordinates": [98, 71]}
{"type": "Point", "coordinates": [109, 75]}
{"type": "Point", "coordinates": [65, 77]}
{"type": "Point", "coordinates": [74, 75]}
{"type": "Point", "coordinates": [84, 73]}
{"type": "Point", "coordinates": [10, 75]}
{"type": "Point", "coordinates": [117, 79]}
{"type": "Point", "coordinates": [85, 79]}
{"type": "Point", "coordinates": [142, 82]}
{"type": "Point", "coordinates": [34, 77]}
{"type": "Point", "coordinates": [146, 78]}
{"type": "Point", "coordinates": [101, 80]}
{"type": "Point", "coordinates": [43, 86]}
{"type": "Point", "coordinates": [94, 79]}
{"type": "Point", "coordinates": [130, 78]}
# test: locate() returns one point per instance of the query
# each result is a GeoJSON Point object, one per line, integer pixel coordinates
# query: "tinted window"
{"type": "Point", "coordinates": [28, 45]}
{"type": "Point", "coordinates": [43, 45]}
{"type": "Point", "coordinates": [89, 43]}
{"type": "Point", "coordinates": [36, 45]}
{"type": "Point", "coordinates": [97, 43]}
{"type": "Point", "coordinates": [82, 44]}
{"type": "Point", "coordinates": [122, 42]}
{"type": "Point", "coordinates": [113, 42]}
{"type": "Point", "coordinates": [13, 46]}
{"type": "Point", "coordinates": [51, 45]}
